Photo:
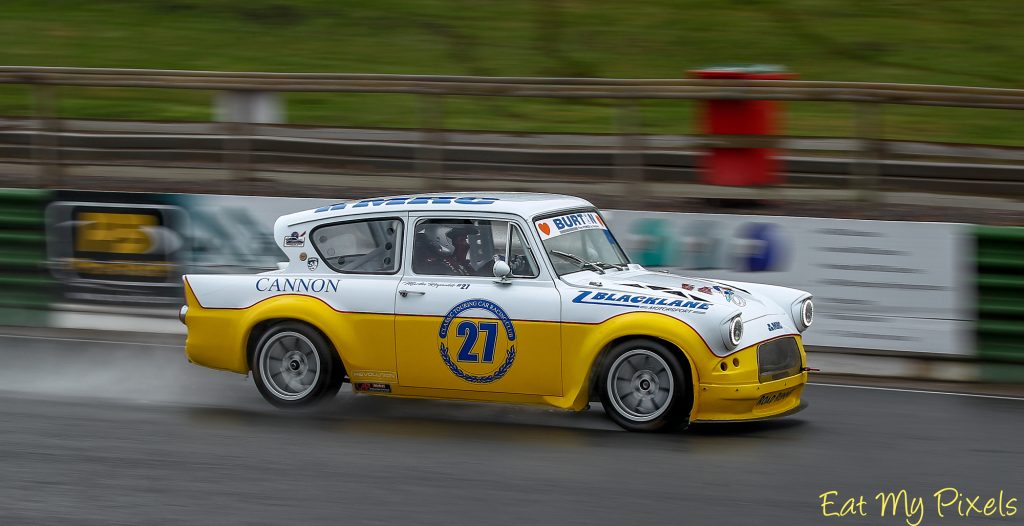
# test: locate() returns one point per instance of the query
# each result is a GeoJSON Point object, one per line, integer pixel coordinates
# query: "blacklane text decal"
{"type": "Point", "coordinates": [638, 301]}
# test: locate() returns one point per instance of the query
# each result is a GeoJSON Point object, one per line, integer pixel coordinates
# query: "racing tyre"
{"type": "Point", "coordinates": [295, 366]}
{"type": "Point", "coordinates": [643, 387]}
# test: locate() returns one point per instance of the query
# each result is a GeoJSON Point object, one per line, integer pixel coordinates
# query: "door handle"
{"type": "Point", "coordinates": [404, 293]}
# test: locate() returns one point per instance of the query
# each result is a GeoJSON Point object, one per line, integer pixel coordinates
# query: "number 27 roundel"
{"type": "Point", "coordinates": [477, 341]}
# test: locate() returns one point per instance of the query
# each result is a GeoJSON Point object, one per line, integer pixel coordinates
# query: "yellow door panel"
{"type": "Point", "coordinates": [476, 354]}
{"type": "Point", "coordinates": [472, 334]}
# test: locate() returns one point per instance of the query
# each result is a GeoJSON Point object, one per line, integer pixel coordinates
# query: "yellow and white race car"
{"type": "Point", "coordinates": [506, 297]}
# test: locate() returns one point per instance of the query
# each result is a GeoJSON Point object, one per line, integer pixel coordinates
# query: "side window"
{"type": "Point", "coordinates": [458, 247]}
{"type": "Point", "coordinates": [520, 258]}
{"type": "Point", "coordinates": [360, 247]}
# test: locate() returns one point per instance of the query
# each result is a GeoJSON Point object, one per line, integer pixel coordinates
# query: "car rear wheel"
{"type": "Point", "coordinates": [295, 366]}
{"type": "Point", "coordinates": [643, 387]}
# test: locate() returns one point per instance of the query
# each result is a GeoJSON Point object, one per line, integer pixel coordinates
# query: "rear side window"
{"type": "Point", "coordinates": [360, 247]}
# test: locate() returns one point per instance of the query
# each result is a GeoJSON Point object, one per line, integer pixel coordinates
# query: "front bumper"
{"type": "Point", "coordinates": [745, 402]}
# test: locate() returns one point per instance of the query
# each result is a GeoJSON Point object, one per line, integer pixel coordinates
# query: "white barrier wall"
{"type": "Point", "coordinates": [878, 285]}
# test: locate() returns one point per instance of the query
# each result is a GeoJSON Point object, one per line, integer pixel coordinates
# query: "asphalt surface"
{"type": "Point", "coordinates": [128, 433]}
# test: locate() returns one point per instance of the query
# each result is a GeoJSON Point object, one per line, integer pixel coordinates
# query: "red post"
{"type": "Point", "coordinates": [741, 166]}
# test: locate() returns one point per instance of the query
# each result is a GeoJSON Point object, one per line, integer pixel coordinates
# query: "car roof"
{"type": "Point", "coordinates": [523, 204]}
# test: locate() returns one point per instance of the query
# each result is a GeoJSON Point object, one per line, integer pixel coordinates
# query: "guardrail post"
{"type": "Point", "coordinates": [45, 139]}
{"type": "Point", "coordinates": [430, 153]}
{"type": "Point", "coordinates": [867, 168]}
{"type": "Point", "coordinates": [236, 150]}
{"type": "Point", "coordinates": [239, 109]}
{"type": "Point", "coordinates": [629, 159]}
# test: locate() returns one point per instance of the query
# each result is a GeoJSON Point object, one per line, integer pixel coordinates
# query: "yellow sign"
{"type": "Point", "coordinates": [113, 232]}
{"type": "Point", "coordinates": [153, 269]}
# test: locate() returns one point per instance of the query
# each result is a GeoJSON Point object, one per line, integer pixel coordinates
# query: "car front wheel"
{"type": "Point", "coordinates": [295, 366]}
{"type": "Point", "coordinates": [643, 387]}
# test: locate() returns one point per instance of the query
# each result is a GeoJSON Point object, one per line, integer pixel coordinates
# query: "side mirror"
{"type": "Point", "coordinates": [502, 271]}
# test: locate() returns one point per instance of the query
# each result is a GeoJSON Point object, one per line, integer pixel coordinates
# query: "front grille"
{"type": "Point", "coordinates": [778, 359]}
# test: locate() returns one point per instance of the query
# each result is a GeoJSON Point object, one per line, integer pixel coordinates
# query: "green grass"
{"type": "Point", "coordinates": [933, 42]}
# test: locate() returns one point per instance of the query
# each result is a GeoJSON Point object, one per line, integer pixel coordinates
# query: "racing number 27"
{"type": "Point", "coordinates": [470, 331]}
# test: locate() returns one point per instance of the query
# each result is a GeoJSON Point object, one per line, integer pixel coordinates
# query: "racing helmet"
{"type": "Point", "coordinates": [436, 238]}
{"type": "Point", "coordinates": [442, 236]}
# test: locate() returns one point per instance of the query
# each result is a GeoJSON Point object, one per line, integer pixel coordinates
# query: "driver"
{"type": "Point", "coordinates": [459, 260]}
{"type": "Point", "coordinates": [450, 244]}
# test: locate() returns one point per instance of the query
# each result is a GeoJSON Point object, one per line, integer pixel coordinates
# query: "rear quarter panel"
{"type": "Point", "coordinates": [223, 310]}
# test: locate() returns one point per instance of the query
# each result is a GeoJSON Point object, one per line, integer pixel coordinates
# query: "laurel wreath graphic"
{"type": "Point", "coordinates": [496, 375]}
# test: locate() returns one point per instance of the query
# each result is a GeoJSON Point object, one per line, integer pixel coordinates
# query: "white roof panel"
{"type": "Point", "coordinates": [523, 204]}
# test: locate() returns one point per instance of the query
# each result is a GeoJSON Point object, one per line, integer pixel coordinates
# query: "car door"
{"type": "Point", "coordinates": [459, 327]}
{"type": "Point", "coordinates": [361, 258]}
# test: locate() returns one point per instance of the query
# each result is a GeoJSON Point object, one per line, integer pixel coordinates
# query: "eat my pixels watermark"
{"type": "Point", "coordinates": [917, 509]}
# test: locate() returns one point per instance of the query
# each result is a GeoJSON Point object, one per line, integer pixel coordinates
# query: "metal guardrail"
{"type": "Point", "coordinates": [546, 87]}
{"type": "Point", "coordinates": [144, 148]}
{"type": "Point", "coordinates": [864, 162]}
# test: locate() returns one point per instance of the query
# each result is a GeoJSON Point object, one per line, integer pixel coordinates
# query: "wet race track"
{"type": "Point", "coordinates": [128, 433]}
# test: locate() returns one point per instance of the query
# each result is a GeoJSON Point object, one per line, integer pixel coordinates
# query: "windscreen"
{"type": "Point", "coordinates": [579, 241]}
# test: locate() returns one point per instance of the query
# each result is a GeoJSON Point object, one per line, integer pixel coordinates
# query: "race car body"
{"type": "Point", "coordinates": [521, 298]}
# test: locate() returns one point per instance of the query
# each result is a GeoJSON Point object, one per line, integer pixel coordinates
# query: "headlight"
{"type": "Point", "coordinates": [803, 314]}
{"type": "Point", "coordinates": [732, 332]}
{"type": "Point", "coordinates": [182, 313]}
{"type": "Point", "coordinates": [807, 313]}
{"type": "Point", "coordinates": [735, 331]}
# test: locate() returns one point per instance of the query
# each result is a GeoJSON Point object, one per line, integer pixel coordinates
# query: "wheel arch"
{"type": "Point", "coordinates": [588, 345]}
{"type": "Point", "coordinates": [260, 328]}
{"type": "Point", "coordinates": [322, 386]}
{"type": "Point", "coordinates": [689, 368]}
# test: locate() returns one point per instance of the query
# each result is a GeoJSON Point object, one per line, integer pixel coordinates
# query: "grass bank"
{"type": "Point", "coordinates": [935, 42]}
